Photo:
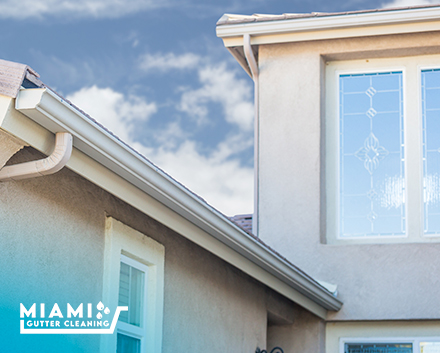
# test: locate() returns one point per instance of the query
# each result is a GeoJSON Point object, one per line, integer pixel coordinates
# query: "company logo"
{"type": "Point", "coordinates": [81, 320]}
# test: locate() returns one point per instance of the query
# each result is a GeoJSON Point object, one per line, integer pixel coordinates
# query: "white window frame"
{"type": "Point", "coordinates": [123, 242]}
{"type": "Point", "coordinates": [124, 328]}
{"type": "Point", "coordinates": [411, 68]}
{"type": "Point", "coordinates": [415, 341]}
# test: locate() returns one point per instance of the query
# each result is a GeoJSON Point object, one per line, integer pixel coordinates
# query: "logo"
{"type": "Point", "coordinates": [81, 320]}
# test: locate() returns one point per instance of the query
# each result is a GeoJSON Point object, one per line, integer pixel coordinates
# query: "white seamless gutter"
{"type": "Point", "coordinates": [337, 21]}
{"type": "Point", "coordinates": [50, 165]}
{"type": "Point", "coordinates": [53, 113]}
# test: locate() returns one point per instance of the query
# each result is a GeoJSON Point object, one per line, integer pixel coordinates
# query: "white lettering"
{"type": "Point", "coordinates": [78, 312]}
{"type": "Point", "coordinates": [31, 311]}
{"type": "Point", "coordinates": [55, 312]}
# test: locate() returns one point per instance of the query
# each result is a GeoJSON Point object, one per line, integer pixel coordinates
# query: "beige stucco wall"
{"type": "Point", "coordinates": [305, 335]}
{"type": "Point", "coordinates": [52, 233]}
{"type": "Point", "coordinates": [376, 281]}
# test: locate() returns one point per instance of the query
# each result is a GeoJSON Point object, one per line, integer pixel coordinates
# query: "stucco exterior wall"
{"type": "Point", "coordinates": [52, 234]}
{"type": "Point", "coordinates": [375, 281]}
{"type": "Point", "coordinates": [306, 335]}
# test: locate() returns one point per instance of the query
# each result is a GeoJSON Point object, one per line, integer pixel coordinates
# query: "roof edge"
{"type": "Point", "coordinates": [51, 111]}
{"type": "Point", "coordinates": [319, 21]}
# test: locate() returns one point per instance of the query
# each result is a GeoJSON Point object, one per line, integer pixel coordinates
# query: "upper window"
{"type": "Point", "coordinates": [383, 149]}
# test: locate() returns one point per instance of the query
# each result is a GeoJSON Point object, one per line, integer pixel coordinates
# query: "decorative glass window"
{"type": "Point", "coordinates": [132, 291]}
{"type": "Point", "coordinates": [429, 347]}
{"type": "Point", "coordinates": [378, 348]}
{"type": "Point", "coordinates": [390, 345]}
{"type": "Point", "coordinates": [431, 149]}
{"type": "Point", "coordinates": [383, 150]}
{"type": "Point", "coordinates": [372, 170]}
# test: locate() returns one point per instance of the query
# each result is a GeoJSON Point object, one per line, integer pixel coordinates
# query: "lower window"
{"type": "Point", "coordinates": [378, 348]}
{"type": "Point", "coordinates": [127, 344]}
{"type": "Point", "coordinates": [398, 345]}
{"type": "Point", "coordinates": [134, 278]}
{"type": "Point", "coordinates": [132, 293]}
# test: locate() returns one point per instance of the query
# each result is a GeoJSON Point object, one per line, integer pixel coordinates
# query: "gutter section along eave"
{"type": "Point", "coordinates": [55, 114]}
{"type": "Point", "coordinates": [331, 22]}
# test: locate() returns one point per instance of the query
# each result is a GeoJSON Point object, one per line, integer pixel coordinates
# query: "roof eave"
{"type": "Point", "coordinates": [331, 22]}
{"type": "Point", "coordinates": [55, 114]}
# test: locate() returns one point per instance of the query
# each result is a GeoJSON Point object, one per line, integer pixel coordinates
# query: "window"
{"type": "Point", "coordinates": [132, 291]}
{"type": "Point", "coordinates": [390, 345]}
{"type": "Point", "coordinates": [133, 277]}
{"type": "Point", "coordinates": [378, 348]}
{"type": "Point", "coordinates": [383, 150]}
{"type": "Point", "coordinates": [430, 87]}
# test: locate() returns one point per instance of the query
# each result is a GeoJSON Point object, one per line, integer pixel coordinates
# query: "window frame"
{"type": "Point", "coordinates": [124, 241]}
{"type": "Point", "coordinates": [411, 68]}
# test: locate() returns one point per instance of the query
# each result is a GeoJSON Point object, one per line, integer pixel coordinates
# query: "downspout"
{"type": "Point", "coordinates": [250, 58]}
{"type": "Point", "coordinates": [52, 164]}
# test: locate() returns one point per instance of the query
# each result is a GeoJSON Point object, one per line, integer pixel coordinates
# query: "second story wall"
{"type": "Point", "coordinates": [386, 278]}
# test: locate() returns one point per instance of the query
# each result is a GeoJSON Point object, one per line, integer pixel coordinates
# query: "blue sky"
{"type": "Point", "coordinates": [157, 76]}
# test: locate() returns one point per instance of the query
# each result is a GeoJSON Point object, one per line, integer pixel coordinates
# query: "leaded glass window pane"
{"type": "Point", "coordinates": [372, 178]}
{"type": "Point", "coordinates": [378, 348]}
{"type": "Point", "coordinates": [431, 149]}
{"type": "Point", "coordinates": [127, 344]}
{"type": "Point", "coordinates": [429, 347]}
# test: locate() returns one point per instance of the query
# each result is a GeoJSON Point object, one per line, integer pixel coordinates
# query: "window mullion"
{"type": "Point", "coordinates": [413, 152]}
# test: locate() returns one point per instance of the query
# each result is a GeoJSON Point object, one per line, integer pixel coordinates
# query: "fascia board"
{"type": "Point", "coordinates": [54, 114]}
{"type": "Point", "coordinates": [311, 24]}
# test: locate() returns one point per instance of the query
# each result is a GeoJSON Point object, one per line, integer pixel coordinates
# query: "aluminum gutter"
{"type": "Point", "coordinates": [330, 22]}
{"type": "Point", "coordinates": [49, 110]}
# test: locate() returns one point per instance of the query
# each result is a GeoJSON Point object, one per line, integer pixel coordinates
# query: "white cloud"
{"type": "Point", "coordinates": [218, 176]}
{"type": "Point", "coordinates": [114, 110]}
{"type": "Point", "coordinates": [220, 85]}
{"type": "Point", "coordinates": [223, 183]}
{"type": "Point", "coordinates": [403, 3]}
{"type": "Point", "coordinates": [169, 61]}
{"type": "Point", "coordinates": [23, 9]}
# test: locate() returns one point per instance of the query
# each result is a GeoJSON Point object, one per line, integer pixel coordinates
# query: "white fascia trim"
{"type": "Point", "coordinates": [329, 22]}
{"type": "Point", "coordinates": [53, 113]}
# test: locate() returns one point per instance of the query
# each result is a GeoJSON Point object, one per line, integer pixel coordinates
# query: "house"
{"type": "Point", "coordinates": [347, 164]}
{"type": "Point", "coordinates": [101, 251]}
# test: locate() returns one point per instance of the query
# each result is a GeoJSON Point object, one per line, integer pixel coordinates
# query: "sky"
{"type": "Point", "coordinates": [155, 74]}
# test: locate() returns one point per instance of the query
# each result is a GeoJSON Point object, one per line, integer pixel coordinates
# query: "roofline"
{"type": "Point", "coordinates": [52, 112]}
{"type": "Point", "coordinates": [332, 21]}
